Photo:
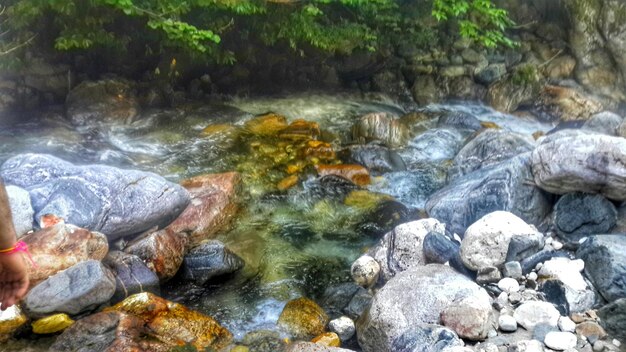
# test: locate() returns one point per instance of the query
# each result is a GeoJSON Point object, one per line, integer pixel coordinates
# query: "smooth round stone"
{"type": "Point", "coordinates": [508, 285]}
{"type": "Point", "coordinates": [532, 276]}
{"type": "Point", "coordinates": [560, 341]}
{"type": "Point", "coordinates": [342, 326]}
{"type": "Point", "coordinates": [532, 313]}
{"type": "Point", "coordinates": [365, 271]}
{"type": "Point", "coordinates": [566, 324]}
{"type": "Point", "coordinates": [507, 323]}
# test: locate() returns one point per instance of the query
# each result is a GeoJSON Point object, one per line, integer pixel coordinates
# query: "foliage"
{"type": "Point", "coordinates": [209, 28]}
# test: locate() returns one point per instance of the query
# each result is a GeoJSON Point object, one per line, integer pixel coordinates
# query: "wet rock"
{"type": "Point", "coordinates": [52, 324]}
{"type": "Point", "coordinates": [173, 323]}
{"type": "Point", "coordinates": [131, 275]}
{"type": "Point", "coordinates": [355, 173]}
{"type": "Point", "coordinates": [605, 122]}
{"type": "Point", "coordinates": [439, 248]}
{"type": "Point", "coordinates": [490, 74]}
{"type": "Point", "coordinates": [108, 101]}
{"type": "Point", "coordinates": [378, 159]}
{"type": "Point", "coordinates": [384, 217]}
{"type": "Point", "coordinates": [415, 297]}
{"type": "Point", "coordinates": [621, 129]}
{"type": "Point", "coordinates": [343, 327]}
{"type": "Point", "coordinates": [11, 320]}
{"type": "Point", "coordinates": [486, 242]}
{"type": "Point", "coordinates": [81, 288]}
{"type": "Point", "coordinates": [577, 295]}
{"type": "Point", "coordinates": [365, 271]}
{"type": "Point", "coordinates": [162, 251]}
{"type": "Point", "coordinates": [266, 125]}
{"type": "Point", "coordinates": [460, 120]}
{"type": "Point", "coordinates": [489, 147]}
{"type": "Point", "coordinates": [580, 214]}
{"type": "Point", "coordinates": [508, 94]}
{"type": "Point", "coordinates": [412, 188]}
{"type": "Point", "coordinates": [328, 339]}
{"type": "Point", "coordinates": [100, 198]}
{"type": "Point", "coordinates": [532, 313]}
{"type": "Point", "coordinates": [358, 304]}
{"type": "Point", "coordinates": [105, 331]}
{"type": "Point", "coordinates": [331, 186]}
{"type": "Point", "coordinates": [302, 346]}
{"type": "Point", "coordinates": [604, 257]}
{"type": "Point", "coordinates": [301, 130]}
{"type": "Point", "coordinates": [382, 127]}
{"type": "Point", "coordinates": [574, 161]}
{"type": "Point", "coordinates": [303, 318]}
{"type": "Point", "coordinates": [208, 260]}
{"type": "Point", "coordinates": [502, 186]}
{"type": "Point", "coordinates": [402, 248]}
{"type": "Point", "coordinates": [432, 146]}
{"type": "Point", "coordinates": [613, 318]}
{"type": "Point", "coordinates": [336, 298]}
{"type": "Point", "coordinates": [471, 317]}
{"type": "Point", "coordinates": [264, 341]}
{"type": "Point", "coordinates": [560, 341]}
{"type": "Point", "coordinates": [214, 199]}
{"type": "Point", "coordinates": [61, 246]}
{"type": "Point", "coordinates": [21, 210]}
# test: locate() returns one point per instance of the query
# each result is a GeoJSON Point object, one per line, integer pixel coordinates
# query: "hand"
{"type": "Point", "coordinates": [13, 279]}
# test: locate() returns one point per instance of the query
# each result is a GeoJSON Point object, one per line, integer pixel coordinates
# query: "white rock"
{"type": "Point", "coordinates": [560, 341]}
{"type": "Point", "coordinates": [365, 271]}
{"type": "Point", "coordinates": [486, 242]}
{"type": "Point", "coordinates": [531, 313]}
{"type": "Point", "coordinates": [527, 346]}
{"type": "Point", "coordinates": [532, 276]}
{"type": "Point", "coordinates": [507, 323]}
{"type": "Point", "coordinates": [503, 298]}
{"type": "Point", "coordinates": [566, 324]}
{"type": "Point", "coordinates": [508, 285]}
{"type": "Point", "coordinates": [557, 245]}
{"type": "Point", "coordinates": [343, 327]}
{"type": "Point", "coordinates": [616, 343]}
{"type": "Point", "coordinates": [577, 293]}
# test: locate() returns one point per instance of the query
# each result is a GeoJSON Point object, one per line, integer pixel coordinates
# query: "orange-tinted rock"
{"type": "Point", "coordinates": [162, 251]}
{"type": "Point", "coordinates": [173, 323]}
{"type": "Point", "coordinates": [589, 329]}
{"type": "Point", "coordinates": [301, 129]}
{"type": "Point", "coordinates": [61, 246]}
{"type": "Point", "coordinates": [567, 103]}
{"type": "Point", "coordinates": [538, 134]}
{"type": "Point", "coordinates": [355, 173]}
{"type": "Point", "coordinates": [266, 125]}
{"type": "Point", "coordinates": [287, 182]}
{"type": "Point", "coordinates": [320, 150]}
{"type": "Point", "coordinates": [11, 320]}
{"type": "Point", "coordinates": [213, 204]}
{"type": "Point", "coordinates": [49, 220]}
{"type": "Point", "coordinates": [219, 129]}
{"type": "Point", "coordinates": [329, 339]}
{"type": "Point", "coordinates": [303, 318]}
{"type": "Point", "coordinates": [489, 124]}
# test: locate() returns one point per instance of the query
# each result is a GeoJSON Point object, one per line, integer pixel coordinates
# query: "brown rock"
{"type": "Point", "coordinates": [329, 339]}
{"type": "Point", "coordinates": [266, 125]}
{"type": "Point", "coordinates": [568, 104]}
{"type": "Point", "coordinates": [173, 323]}
{"type": "Point", "coordinates": [61, 246]}
{"type": "Point", "coordinates": [383, 127]}
{"type": "Point", "coordinates": [301, 129]}
{"type": "Point", "coordinates": [303, 318]}
{"type": "Point", "coordinates": [319, 150]}
{"type": "Point", "coordinates": [213, 204]}
{"type": "Point", "coordinates": [590, 328]}
{"type": "Point", "coordinates": [355, 173]}
{"type": "Point", "coordinates": [162, 251]}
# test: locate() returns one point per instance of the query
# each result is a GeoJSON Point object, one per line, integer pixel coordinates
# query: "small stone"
{"type": "Point", "coordinates": [566, 324]}
{"type": "Point", "coordinates": [503, 298]}
{"type": "Point", "coordinates": [52, 324]}
{"type": "Point", "coordinates": [513, 270]}
{"type": "Point", "coordinates": [616, 343]}
{"type": "Point", "coordinates": [329, 339]}
{"type": "Point", "coordinates": [526, 346]}
{"type": "Point", "coordinates": [599, 346]}
{"type": "Point", "coordinates": [532, 276]}
{"type": "Point", "coordinates": [11, 320]}
{"type": "Point", "coordinates": [557, 245]}
{"type": "Point", "coordinates": [531, 313]}
{"type": "Point", "coordinates": [560, 341]}
{"type": "Point", "coordinates": [343, 326]}
{"type": "Point", "coordinates": [508, 285]}
{"type": "Point", "coordinates": [488, 275]}
{"type": "Point", "coordinates": [589, 329]}
{"type": "Point", "coordinates": [365, 271]}
{"type": "Point", "coordinates": [507, 323]}
{"type": "Point", "coordinates": [515, 297]}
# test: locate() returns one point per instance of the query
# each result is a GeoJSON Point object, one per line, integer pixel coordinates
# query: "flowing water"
{"type": "Point", "coordinates": [295, 243]}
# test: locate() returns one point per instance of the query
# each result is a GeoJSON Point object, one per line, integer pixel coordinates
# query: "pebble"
{"type": "Point", "coordinates": [508, 285]}
{"type": "Point", "coordinates": [365, 271]}
{"type": "Point", "coordinates": [532, 276]}
{"type": "Point", "coordinates": [599, 346]}
{"type": "Point", "coordinates": [531, 313]}
{"type": "Point", "coordinates": [616, 342]}
{"type": "Point", "coordinates": [342, 326]}
{"type": "Point", "coordinates": [512, 270]}
{"type": "Point", "coordinates": [488, 275]}
{"type": "Point", "coordinates": [566, 324]}
{"type": "Point", "coordinates": [507, 323]}
{"type": "Point", "coordinates": [515, 297]}
{"type": "Point", "coordinates": [560, 341]}
{"type": "Point", "coordinates": [557, 245]}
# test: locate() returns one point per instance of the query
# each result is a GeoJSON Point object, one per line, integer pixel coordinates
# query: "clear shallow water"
{"type": "Point", "coordinates": [296, 244]}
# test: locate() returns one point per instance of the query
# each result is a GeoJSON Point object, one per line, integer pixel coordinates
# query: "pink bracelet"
{"type": "Point", "coordinates": [20, 246]}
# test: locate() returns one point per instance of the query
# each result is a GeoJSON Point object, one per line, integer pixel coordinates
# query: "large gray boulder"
{"type": "Point", "coordinates": [100, 198]}
{"type": "Point", "coordinates": [408, 303]}
{"type": "Point", "coordinates": [579, 161]}
{"type": "Point", "coordinates": [605, 264]}
{"type": "Point", "coordinates": [21, 209]}
{"type": "Point", "coordinates": [80, 288]}
{"type": "Point", "coordinates": [503, 186]}
{"type": "Point", "coordinates": [489, 147]}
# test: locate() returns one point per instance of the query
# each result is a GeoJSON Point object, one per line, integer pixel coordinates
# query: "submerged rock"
{"type": "Point", "coordinates": [402, 309]}
{"type": "Point", "coordinates": [81, 288]}
{"type": "Point", "coordinates": [100, 198]}
{"type": "Point", "coordinates": [131, 275]}
{"type": "Point", "coordinates": [503, 186]}
{"type": "Point", "coordinates": [412, 188]}
{"type": "Point", "coordinates": [381, 126]}
{"type": "Point", "coordinates": [303, 318]}
{"type": "Point", "coordinates": [208, 260]}
{"type": "Point", "coordinates": [575, 161]}
{"type": "Point", "coordinates": [355, 173]}
{"type": "Point", "coordinates": [378, 159]}
{"type": "Point", "coordinates": [162, 251]}
{"type": "Point", "coordinates": [61, 246]}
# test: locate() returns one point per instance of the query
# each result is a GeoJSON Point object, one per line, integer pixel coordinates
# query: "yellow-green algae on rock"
{"type": "Point", "coordinates": [10, 321]}
{"type": "Point", "coordinates": [303, 318]}
{"type": "Point", "coordinates": [52, 324]}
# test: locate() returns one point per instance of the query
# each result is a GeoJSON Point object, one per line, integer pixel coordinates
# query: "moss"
{"type": "Point", "coordinates": [525, 74]}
